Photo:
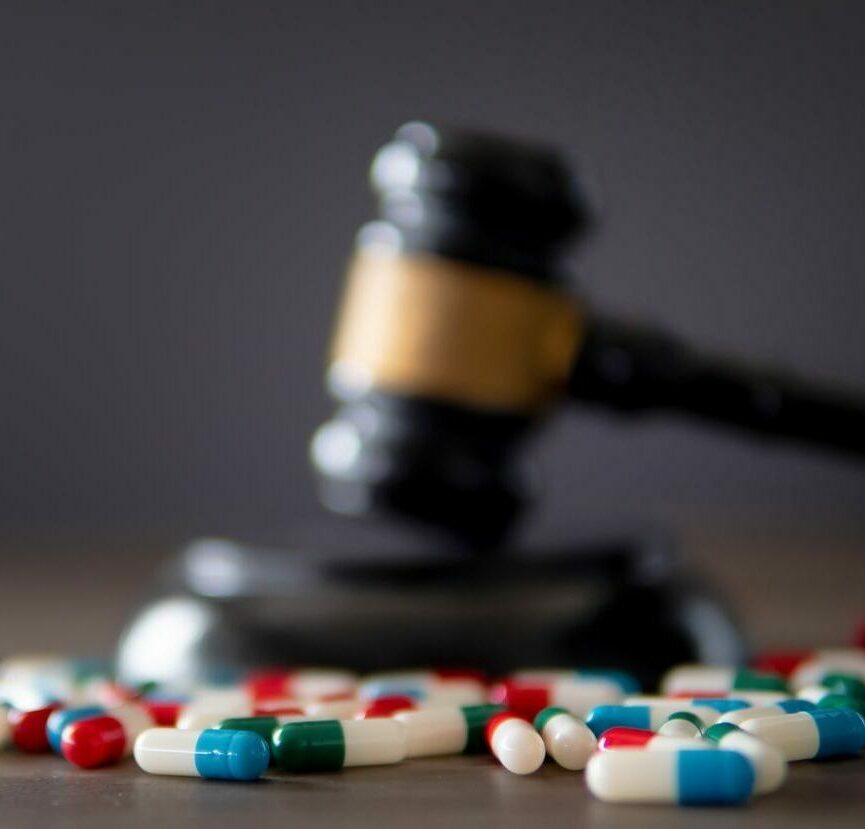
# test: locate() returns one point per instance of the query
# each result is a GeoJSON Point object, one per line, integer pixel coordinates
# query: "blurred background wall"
{"type": "Point", "coordinates": [180, 184]}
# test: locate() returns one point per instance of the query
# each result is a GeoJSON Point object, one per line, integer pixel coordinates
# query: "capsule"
{"type": "Point", "coordinates": [770, 767]}
{"type": "Point", "coordinates": [204, 714]}
{"type": "Point", "coordinates": [812, 734]}
{"type": "Point", "coordinates": [104, 740]}
{"type": "Point", "coordinates": [846, 684]}
{"type": "Point", "coordinates": [431, 689]}
{"type": "Point", "coordinates": [333, 709]}
{"type": "Point", "coordinates": [386, 707]}
{"type": "Point", "coordinates": [165, 711]}
{"type": "Point", "coordinates": [689, 778]}
{"type": "Point", "coordinates": [300, 683]}
{"type": "Point", "coordinates": [27, 728]}
{"type": "Point", "coordinates": [515, 744]}
{"type": "Point", "coordinates": [721, 705]}
{"type": "Point", "coordinates": [59, 719]}
{"type": "Point", "coordinates": [627, 683]}
{"type": "Point", "coordinates": [839, 660]}
{"type": "Point", "coordinates": [263, 726]}
{"type": "Point", "coordinates": [567, 739]}
{"type": "Point", "coordinates": [212, 754]}
{"type": "Point", "coordinates": [683, 725]}
{"type": "Point", "coordinates": [787, 706]}
{"type": "Point", "coordinates": [650, 717]}
{"type": "Point", "coordinates": [441, 730]}
{"type": "Point", "coordinates": [842, 701]}
{"type": "Point", "coordinates": [622, 737]}
{"type": "Point", "coordinates": [574, 695]}
{"type": "Point", "coordinates": [696, 679]}
{"type": "Point", "coordinates": [330, 745]}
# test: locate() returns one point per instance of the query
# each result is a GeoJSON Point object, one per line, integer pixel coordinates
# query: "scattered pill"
{"type": "Point", "coordinates": [27, 728]}
{"type": "Point", "coordinates": [838, 660]}
{"type": "Point", "coordinates": [104, 740]}
{"type": "Point", "coordinates": [684, 725]}
{"type": "Point", "coordinates": [623, 737]}
{"type": "Point", "coordinates": [329, 745]}
{"type": "Point", "coordinates": [567, 739]}
{"type": "Point", "coordinates": [444, 730]}
{"type": "Point", "coordinates": [650, 717]}
{"type": "Point", "coordinates": [695, 679]}
{"type": "Point", "coordinates": [770, 766]}
{"type": "Point", "coordinates": [515, 744]}
{"type": "Point", "coordinates": [690, 778]}
{"type": "Point", "coordinates": [300, 683]}
{"type": "Point", "coordinates": [812, 734]}
{"type": "Point", "coordinates": [578, 696]}
{"type": "Point", "coordinates": [213, 754]}
{"type": "Point", "coordinates": [59, 719]}
{"type": "Point", "coordinates": [842, 701]}
{"type": "Point", "coordinates": [787, 706]}
{"type": "Point", "coordinates": [386, 707]}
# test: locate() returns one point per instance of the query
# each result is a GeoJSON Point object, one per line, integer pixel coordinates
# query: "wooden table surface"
{"type": "Point", "coordinates": [72, 597]}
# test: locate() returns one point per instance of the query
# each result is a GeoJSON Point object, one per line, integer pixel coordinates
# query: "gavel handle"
{"type": "Point", "coordinates": [635, 369]}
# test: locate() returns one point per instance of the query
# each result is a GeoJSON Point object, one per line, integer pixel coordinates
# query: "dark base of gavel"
{"type": "Point", "coordinates": [622, 603]}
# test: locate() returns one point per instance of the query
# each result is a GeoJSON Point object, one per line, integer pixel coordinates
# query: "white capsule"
{"type": "Point", "coordinates": [758, 712]}
{"type": "Point", "coordinates": [568, 740]}
{"type": "Point", "coordinates": [515, 744]}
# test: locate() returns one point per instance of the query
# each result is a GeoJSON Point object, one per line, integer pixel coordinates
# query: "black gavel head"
{"type": "Point", "coordinates": [454, 333]}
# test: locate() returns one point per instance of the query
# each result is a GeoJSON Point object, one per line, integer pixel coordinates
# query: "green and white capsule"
{"type": "Point", "coordinates": [848, 661]}
{"type": "Point", "coordinates": [330, 745]}
{"type": "Point", "coordinates": [709, 679]}
{"type": "Point", "coordinates": [568, 740]}
{"type": "Point", "coordinates": [684, 725]}
{"type": "Point", "coordinates": [431, 732]}
{"type": "Point", "coordinates": [831, 732]}
{"type": "Point", "coordinates": [770, 767]}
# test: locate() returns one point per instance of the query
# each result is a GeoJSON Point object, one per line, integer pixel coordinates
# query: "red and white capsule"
{"type": "Point", "coordinates": [578, 696]}
{"type": "Point", "coordinates": [515, 744]}
{"type": "Point", "coordinates": [102, 741]}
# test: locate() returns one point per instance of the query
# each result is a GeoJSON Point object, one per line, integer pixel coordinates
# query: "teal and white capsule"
{"type": "Point", "coordinates": [683, 725]}
{"type": "Point", "coordinates": [213, 754]}
{"type": "Point", "coordinates": [831, 732]}
{"type": "Point", "coordinates": [770, 766]}
{"type": "Point", "coordinates": [330, 745]}
{"type": "Point", "coordinates": [701, 679]}
{"type": "Point", "coordinates": [787, 706]}
{"type": "Point", "coordinates": [650, 716]}
{"type": "Point", "coordinates": [442, 730]}
{"type": "Point", "coordinates": [568, 740]}
{"type": "Point", "coordinates": [702, 777]}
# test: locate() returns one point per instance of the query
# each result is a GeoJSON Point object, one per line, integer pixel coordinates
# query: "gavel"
{"type": "Point", "coordinates": [457, 333]}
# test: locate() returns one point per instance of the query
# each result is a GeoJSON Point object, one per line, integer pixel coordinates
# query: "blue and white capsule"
{"type": "Point", "coordinates": [787, 706]}
{"type": "Point", "coordinates": [694, 777]}
{"type": "Point", "coordinates": [651, 716]}
{"type": "Point", "coordinates": [213, 754]}
{"type": "Point", "coordinates": [826, 732]}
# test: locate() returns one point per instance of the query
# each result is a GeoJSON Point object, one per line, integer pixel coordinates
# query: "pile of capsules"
{"type": "Point", "coordinates": [713, 735]}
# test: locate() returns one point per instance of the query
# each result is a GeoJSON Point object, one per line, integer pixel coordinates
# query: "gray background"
{"type": "Point", "coordinates": [180, 184]}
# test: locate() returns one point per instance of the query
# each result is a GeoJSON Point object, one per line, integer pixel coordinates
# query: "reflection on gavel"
{"type": "Point", "coordinates": [456, 335]}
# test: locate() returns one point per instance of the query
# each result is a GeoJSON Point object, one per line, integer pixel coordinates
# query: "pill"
{"type": "Point", "coordinates": [847, 684]}
{"type": "Point", "coordinates": [263, 726]}
{"type": "Point", "coordinates": [27, 728]}
{"type": "Point", "coordinates": [567, 739]}
{"type": "Point", "coordinates": [431, 691]}
{"type": "Point", "coordinates": [787, 706]}
{"type": "Point", "coordinates": [839, 660]}
{"type": "Point", "coordinates": [202, 714]}
{"type": "Point", "coordinates": [300, 683]}
{"type": "Point", "coordinates": [329, 745]}
{"type": "Point", "coordinates": [623, 737]}
{"type": "Point", "coordinates": [575, 695]}
{"type": "Point", "coordinates": [705, 777]}
{"type": "Point", "coordinates": [627, 683]}
{"type": "Point", "coordinates": [821, 733]}
{"type": "Point", "coordinates": [104, 740]}
{"type": "Point", "coordinates": [515, 744]}
{"type": "Point", "coordinates": [694, 679]}
{"type": "Point", "coordinates": [213, 754]}
{"type": "Point", "coordinates": [842, 701]}
{"type": "Point", "coordinates": [386, 707]}
{"type": "Point", "coordinates": [683, 725]}
{"type": "Point", "coordinates": [782, 662]}
{"type": "Point", "coordinates": [164, 712]}
{"type": "Point", "coordinates": [431, 732]}
{"type": "Point", "coordinates": [770, 766]}
{"type": "Point", "coordinates": [651, 716]}
{"type": "Point", "coordinates": [333, 709]}
{"type": "Point", "coordinates": [721, 705]}
{"type": "Point", "coordinates": [59, 719]}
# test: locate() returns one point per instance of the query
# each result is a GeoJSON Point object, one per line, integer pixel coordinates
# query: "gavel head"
{"type": "Point", "coordinates": [454, 333]}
